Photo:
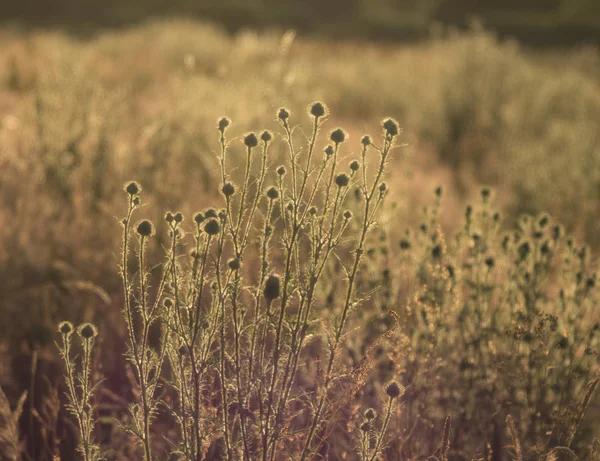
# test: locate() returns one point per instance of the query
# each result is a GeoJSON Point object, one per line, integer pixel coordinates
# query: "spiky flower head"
{"type": "Point", "coordinates": [228, 189]}
{"type": "Point", "coordinates": [338, 136]}
{"type": "Point", "coordinates": [272, 287]}
{"type": "Point", "coordinates": [87, 331]}
{"type": "Point", "coordinates": [224, 122]}
{"type": "Point", "coordinates": [354, 165]}
{"type": "Point", "coordinates": [365, 426]}
{"type": "Point", "coordinates": [132, 188]}
{"type": "Point", "coordinates": [234, 264]}
{"type": "Point", "coordinates": [370, 414]}
{"type": "Point", "coordinates": [212, 227]}
{"type": "Point", "coordinates": [169, 217]}
{"type": "Point", "coordinates": [281, 170]}
{"type": "Point", "coordinates": [390, 126]}
{"type": "Point", "coordinates": [366, 140]}
{"type": "Point", "coordinates": [199, 217]}
{"type": "Point", "coordinates": [393, 390]}
{"type": "Point", "coordinates": [347, 214]}
{"type": "Point", "coordinates": [250, 140]}
{"type": "Point", "coordinates": [317, 109]}
{"type": "Point", "coordinates": [266, 136]}
{"type": "Point", "coordinates": [145, 228]}
{"type": "Point", "coordinates": [342, 180]}
{"type": "Point", "coordinates": [329, 151]}
{"type": "Point", "coordinates": [283, 114]}
{"type": "Point", "coordinates": [178, 217]}
{"type": "Point", "coordinates": [210, 213]}
{"type": "Point", "coordinates": [273, 193]}
{"type": "Point", "coordinates": [66, 328]}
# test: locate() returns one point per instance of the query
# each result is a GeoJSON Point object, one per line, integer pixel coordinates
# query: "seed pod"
{"type": "Point", "coordinates": [366, 140]}
{"type": "Point", "coordinates": [354, 165]}
{"type": "Point", "coordinates": [273, 193]}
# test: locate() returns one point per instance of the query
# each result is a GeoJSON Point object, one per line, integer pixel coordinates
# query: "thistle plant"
{"type": "Point", "coordinates": [238, 313]}
{"type": "Point", "coordinates": [80, 386]}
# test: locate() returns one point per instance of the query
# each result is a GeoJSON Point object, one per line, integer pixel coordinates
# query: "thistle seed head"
{"type": "Point", "coordinates": [281, 170]}
{"type": "Point", "coordinates": [66, 328]}
{"type": "Point", "coordinates": [338, 136]}
{"type": "Point", "coordinates": [393, 390]}
{"type": "Point", "coordinates": [366, 140]}
{"type": "Point", "coordinates": [390, 126]}
{"type": "Point", "coordinates": [224, 122]}
{"type": "Point", "coordinates": [266, 136]}
{"type": "Point", "coordinates": [329, 151]}
{"type": "Point", "coordinates": [317, 109]}
{"type": "Point", "coordinates": [250, 140]}
{"type": "Point", "coordinates": [87, 331]}
{"type": "Point", "coordinates": [283, 114]}
{"type": "Point", "coordinates": [145, 228]}
{"type": "Point", "coordinates": [273, 193]}
{"type": "Point", "coordinates": [210, 213]}
{"type": "Point", "coordinates": [354, 165]}
{"type": "Point", "coordinates": [342, 180]}
{"type": "Point", "coordinates": [234, 264]}
{"type": "Point", "coordinates": [272, 287]}
{"type": "Point", "coordinates": [132, 188]}
{"type": "Point", "coordinates": [212, 227]}
{"type": "Point", "coordinates": [370, 414]}
{"type": "Point", "coordinates": [228, 189]}
{"type": "Point", "coordinates": [199, 217]}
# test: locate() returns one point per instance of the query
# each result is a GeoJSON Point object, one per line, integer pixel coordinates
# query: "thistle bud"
{"type": "Point", "coordinates": [281, 170]}
{"type": "Point", "coordinates": [228, 189]}
{"type": "Point", "coordinates": [317, 109]}
{"type": "Point", "coordinates": [133, 188]}
{"type": "Point", "coordinates": [212, 227]}
{"type": "Point", "coordinates": [272, 287]}
{"type": "Point", "coordinates": [354, 165]}
{"type": "Point", "coordinates": [87, 331]}
{"type": "Point", "coordinates": [266, 136]}
{"type": "Point", "coordinates": [338, 136]}
{"type": "Point", "coordinates": [273, 193]}
{"type": "Point", "coordinates": [390, 126]}
{"type": "Point", "coordinates": [250, 140]}
{"type": "Point", "coordinates": [145, 228]}
{"type": "Point", "coordinates": [342, 180]}
{"type": "Point", "coordinates": [366, 140]}
{"type": "Point", "coordinates": [224, 122]}
{"type": "Point", "coordinates": [283, 115]}
{"type": "Point", "coordinates": [66, 328]}
{"type": "Point", "coordinates": [329, 151]}
{"type": "Point", "coordinates": [393, 390]}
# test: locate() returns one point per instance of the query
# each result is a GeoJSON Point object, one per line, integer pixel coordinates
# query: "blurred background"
{"type": "Point", "coordinates": [504, 93]}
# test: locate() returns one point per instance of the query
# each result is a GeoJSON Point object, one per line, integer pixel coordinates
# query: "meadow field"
{"type": "Point", "coordinates": [272, 246]}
